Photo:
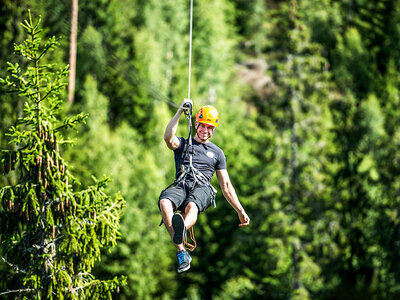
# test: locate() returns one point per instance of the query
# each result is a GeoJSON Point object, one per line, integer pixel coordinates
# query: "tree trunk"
{"type": "Point", "coordinates": [293, 183]}
{"type": "Point", "coordinates": [72, 51]}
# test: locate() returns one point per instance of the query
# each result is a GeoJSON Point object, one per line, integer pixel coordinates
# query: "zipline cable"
{"type": "Point", "coordinates": [189, 106]}
{"type": "Point", "coordinates": [190, 44]}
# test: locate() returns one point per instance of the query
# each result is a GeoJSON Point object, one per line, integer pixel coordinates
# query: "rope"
{"type": "Point", "coordinates": [188, 245]}
{"type": "Point", "coordinates": [190, 44]}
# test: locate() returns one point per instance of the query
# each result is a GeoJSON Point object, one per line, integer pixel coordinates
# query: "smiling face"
{"type": "Point", "coordinates": [203, 132]}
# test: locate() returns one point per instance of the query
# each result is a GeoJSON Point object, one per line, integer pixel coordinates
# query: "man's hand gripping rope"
{"type": "Point", "coordinates": [187, 107]}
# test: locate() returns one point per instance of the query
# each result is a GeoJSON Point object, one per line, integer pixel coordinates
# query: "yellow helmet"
{"type": "Point", "coordinates": [208, 115]}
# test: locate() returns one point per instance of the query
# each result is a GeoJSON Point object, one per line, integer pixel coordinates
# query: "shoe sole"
{"type": "Point", "coordinates": [187, 268]}
{"type": "Point", "coordinates": [179, 229]}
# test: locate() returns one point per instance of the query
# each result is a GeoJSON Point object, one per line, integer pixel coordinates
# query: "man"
{"type": "Point", "coordinates": [194, 193]}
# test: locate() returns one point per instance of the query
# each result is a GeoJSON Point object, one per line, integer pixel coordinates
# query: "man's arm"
{"type": "Point", "coordinates": [230, 195]}
{"type": "Point", "coordinates": [169, 135]}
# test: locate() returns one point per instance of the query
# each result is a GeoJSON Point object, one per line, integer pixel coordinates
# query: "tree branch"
{"type": "Point", "coordinates": [17, 291]}
{"type": "Point", "coordinates": [15, 267]}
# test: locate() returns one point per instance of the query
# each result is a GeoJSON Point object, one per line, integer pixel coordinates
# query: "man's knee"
{"type": "Point", "coordinates": [166, 204]}
{"type": "Point", "coordinates": [191, 207]}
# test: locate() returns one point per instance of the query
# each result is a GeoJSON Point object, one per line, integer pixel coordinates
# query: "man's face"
{"type": "Point", "coordinates": [204, 131]}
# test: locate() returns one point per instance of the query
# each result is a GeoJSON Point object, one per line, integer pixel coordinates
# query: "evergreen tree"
{"type": "Point", "coordinates": [364, 63]}
{"type": "Point", "coordinates": [118, 74]}
{"type": "Point", "coordinates": [250, 25]}
{"type": "Point", "coordinates": [50, 234]}
{"type": "Point", "coordinates": [386, 275]}
{"type": "Point", "coordinates": [325, 22]}
{"type": "Point", "coordinates": [294, 156]}
{"type": "Point", "coordinates": [358, 195]}
{"type": "Point", "coordinates": [366, 197]}
{"type": "Point", "coordinates": [213, 44]}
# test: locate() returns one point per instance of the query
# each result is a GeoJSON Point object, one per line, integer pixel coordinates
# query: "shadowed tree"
{"type": "Point", "coordinates": [72, 51]}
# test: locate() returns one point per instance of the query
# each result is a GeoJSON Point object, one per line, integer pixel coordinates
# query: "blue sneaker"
{"type": "Point", "coordinates": [178, 224]}
{"type": "Point", "coordinates": [184, 260]}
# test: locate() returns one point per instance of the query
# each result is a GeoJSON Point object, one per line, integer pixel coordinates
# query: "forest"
{"type": "Point", "coordinates": [308, 94]}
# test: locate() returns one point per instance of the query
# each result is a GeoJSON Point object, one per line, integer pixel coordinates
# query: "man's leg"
{"type": "Point", "coordinates": [167, 212]}
{"type": "Point", "coordinates": [180, 224]}
{"type": "Point", "coordinates": [191, 213]}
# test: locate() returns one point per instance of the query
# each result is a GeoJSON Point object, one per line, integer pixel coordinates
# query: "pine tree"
{"type": "Point", "coordinates": [213, 42]}
{"type": "Point", "coordinates": [295, 113]}
{"type": "Point", "coordinates": [113, 46]}
{"type": "Point", "coordinates": [249, 22]}
{"type": "Point", "coordinates": [50, 235]}
{"type": "Point", "coordinates": [386, 221]}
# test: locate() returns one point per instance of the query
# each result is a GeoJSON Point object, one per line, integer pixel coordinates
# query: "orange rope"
{"type": "Point", "coordinates": [188, 245]}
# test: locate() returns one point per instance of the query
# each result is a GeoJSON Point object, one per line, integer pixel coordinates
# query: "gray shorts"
{"type": "Point", "coordinates": [182, 194]}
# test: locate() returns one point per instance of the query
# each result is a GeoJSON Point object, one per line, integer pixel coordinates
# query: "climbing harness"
{"type": "Point", "coordinates": [188, 245]}
{"type": "Point", "coordinates": [198, 177]}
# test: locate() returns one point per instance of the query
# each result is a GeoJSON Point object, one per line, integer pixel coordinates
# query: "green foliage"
{"type": "Point", "coordinates": [325, 23]}
{"type": "Point", "coordinates": [250, 24]}
{"type": "Point", "coordinates": [293, 156]}
{"type": "Point", "coordinates": [161, 46]}
{"type": "Point", "coordinates": [239, 288]}
{"type": "Point", "coordinates": [212, 48]}
{"type": "Point", "coordinates": [10, 105]}
{"type": "Point", "coordinates": [353, 60]}
{"type": "Point", "coordinates": [50, 235]}
{"type": "Point", "coordinates": [108, 40]}
{"type": "Point", "coordinates": [92, 57]}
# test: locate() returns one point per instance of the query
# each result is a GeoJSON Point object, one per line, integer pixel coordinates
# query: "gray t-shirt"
{"type": "Point", "coordinates": [206, 158]}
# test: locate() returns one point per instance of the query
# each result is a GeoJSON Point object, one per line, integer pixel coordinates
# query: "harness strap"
{"type": "Point", "coordinates": [188, 245]}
